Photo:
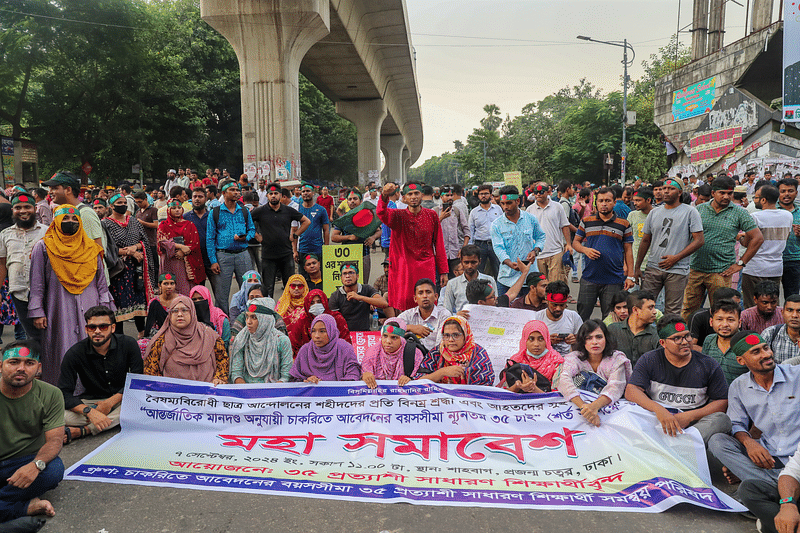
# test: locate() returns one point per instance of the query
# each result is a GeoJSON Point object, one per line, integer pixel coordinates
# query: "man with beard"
{"type": "Point", "coordinates": [725, 322]}
{"type": "Point", "coordinates": [606, 240]}
{"type": "Point", "coordinates": [535, 299]}
{"type": "Point", "coordinates": [100, 207]}
{"type": "Point", "coordinates": [784, 339]}
{"type": "Point", "coordinates": [199, 217]}
{"type": "Point", "coordinates": [766, 312]}
{"type": "Point", "coordinates": [480, 228]}
{"type": "Point", "coordinates": [275, 225]}
{"type": "Point", "coordinates": [562, 323]}
{"type": "Point", "coordinates": [715, 262]}
{"type": "Point", "coordinates": [101, 361]}
{"type": "Point", "coordinates": [787, 193]}
{"type": "Point", "coordinates": [417, 246]}
{"type": "Point", "coordinates": [425, 321]}
{"type": "Point", "coordinates": [31, 431]}
{"type": "Point", "coordinates": [455, 231]}
{"type": "Point", "coordinates": [767, 397]}
{"type": "Point", "coordinates": [16, 244]}
{"type": "Point", "coordinates": [354, 300]}
{"type": "Point", "coordinates": [319, 232]}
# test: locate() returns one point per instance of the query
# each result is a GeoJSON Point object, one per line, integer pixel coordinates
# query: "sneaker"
{"type": "Point", "coordinates": [758, 525]}
{"type": "Point", "coordinates": [575, 279]}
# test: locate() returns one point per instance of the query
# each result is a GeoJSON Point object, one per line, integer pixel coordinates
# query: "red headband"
{"type": "Point", "coordinates": [557, 298]}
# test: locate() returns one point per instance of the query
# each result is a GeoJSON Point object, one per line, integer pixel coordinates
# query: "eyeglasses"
{"type": "Point", "coordinates": [180, 310]}
{"type": "Point", "coordinates": [687, 338]}
{"type": "Point", "coordinates": [349, 273]}
{"type": "Point", "coordinates": [452, 336]}
{"type": "Point", "coordinates": [96, 327]}
{"type": "Point", "coordinates": [296, 286]}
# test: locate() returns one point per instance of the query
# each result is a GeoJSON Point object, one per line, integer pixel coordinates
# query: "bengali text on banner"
{"type": "Point", "coordinates": [424, 443]}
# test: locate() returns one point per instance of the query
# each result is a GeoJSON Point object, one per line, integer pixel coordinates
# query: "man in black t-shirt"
{"type": "Point", "coordinates": [354, 300]}
{"type": "Point", "coordinates": [275, 225]}
{"type": "Point", "coordinates": [681, 386]}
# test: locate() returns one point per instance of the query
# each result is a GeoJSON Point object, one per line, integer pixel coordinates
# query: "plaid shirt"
{"type": "Point", "coordinates": [382, 284]}
{"type": "Point", "coordinates": [782, 346]}
{"type": "Point", "coordinates": [720, 230]}
{"type": "Point", "coordinates": [727, 361]}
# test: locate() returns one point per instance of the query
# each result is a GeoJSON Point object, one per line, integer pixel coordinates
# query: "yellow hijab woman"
{"type": "Point", "coordinates": [287, 302]}
{"type": "Point", "coordinates": [73, 255]}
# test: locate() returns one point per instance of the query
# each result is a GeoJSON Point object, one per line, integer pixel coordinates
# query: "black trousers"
{"type": "Point", "coordinates": [270, 268]}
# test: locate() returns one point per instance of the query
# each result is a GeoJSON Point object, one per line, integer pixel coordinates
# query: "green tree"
{"type": "Point", "coordinates": [492, 120]}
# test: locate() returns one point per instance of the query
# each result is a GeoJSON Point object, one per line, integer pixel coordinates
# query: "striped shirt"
{"type": "Point", "coordinates": [782, 346]}
{"type": "Point", "coordinates": [610, 238]}
{"type": "Point", "coordinates": [720, 230]}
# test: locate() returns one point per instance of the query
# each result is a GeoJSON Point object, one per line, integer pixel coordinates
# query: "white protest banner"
{"type": "Point", "coordinates": [498, 330]}
{"type": "Point", "coordinates": [423, 443]}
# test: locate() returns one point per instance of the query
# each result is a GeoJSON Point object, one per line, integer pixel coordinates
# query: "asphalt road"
{"type": "Point", "coordinates": [92, 507]}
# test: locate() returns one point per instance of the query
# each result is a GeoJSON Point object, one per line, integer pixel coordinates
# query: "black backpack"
{"type": "Point", "coordinates": [215, 214]}
{"type": "Point", "coordinates": [410, 349]}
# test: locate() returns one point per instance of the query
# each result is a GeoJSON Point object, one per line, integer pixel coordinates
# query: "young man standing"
{"type": "Point", "coordinates": [671, 234]}
{"type": "Point", "coordinates": [226, 242]}
{"type": "Point", "coordinates": [425, 320]}
{"type": "Point", "coordinates": [324, 199]}
{"type": "Point", "coordinates": [636, 335]}
{"type": "Point", "coordinates": [275, 224]}
{"type": "Point", "coordinates": [417, 246]}
{"type": "Point", "coordinates": [354, 300]}
{"type": "Point", "coordinates": [715, 262]}
{"type": "Point", "coordinates": [454, 296]}
{"type": "Point", "coordinates": [31, 434]}
{"type": "Point", "coordinates": [43, 212]}
{"type": "Point", "coordinates": [199, 217]}
{"type": "Point", "coordinates": [787, 193]}
{"type": "Point", "coordinates": [480, 228]}
{"type": "Point", "coordinates": [642, 201]}
{"type": "Point", "coordinates": [319, 232]}
{"type": "Point", "coordinates": [680, 386]}
{"type": "Point", "coordinates": [553, 220]}
{"type": "Point", "coordinates": [455, 230]}
{"type": "Point", "coordinates": [776, 226]}
{"type": "Point", "coordinates": [516, 236]}
{"type": "Point", "coordinates": [606, 241]}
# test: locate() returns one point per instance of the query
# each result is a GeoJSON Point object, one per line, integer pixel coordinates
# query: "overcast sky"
{"type": "Point", "coordinates": [488, 61]}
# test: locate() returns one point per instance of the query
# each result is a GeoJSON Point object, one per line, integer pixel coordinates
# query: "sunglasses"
{"type": "Point", "coordinates": [96, 327]}
{"type": "Point", "coordinates": [296, 286]}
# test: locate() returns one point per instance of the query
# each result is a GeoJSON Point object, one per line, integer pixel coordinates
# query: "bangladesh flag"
{"type": "Point", "coordinates": [361, 221]}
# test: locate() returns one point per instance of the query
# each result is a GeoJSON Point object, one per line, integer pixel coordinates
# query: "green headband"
{"type": "Point", "coordinates": [258, 309]}
{"type": "Point", "coordinates": [174, 203]}
{"type": "Point", "coordinates": [22, 199]}
{"type": "Point", "coordinates": [672, 329]}
{"type": "Point", "coordinates": [67, 211]}
{"type": "Point", "coordinates": [114, 198]}
{"type": "Point", "coordinates": [408, 187]}
{"type": "Point", "coordinates": [307, 186]}
{"type": "Point", "coordinates": [229, 185]}
{"type": "Point", "coordinates": [354, 266]}
{"type": "Point", "coordinates": [393, 329]}
{"type": "Point", "coordinates": [747, 343]}
{"type": "Point", "coordinates": [507, 197]}
{"type": "Point", "coordinates": [252, 278]}
{"type": "Point", "coordinates": [99, 201]}
{"type": "Point", "coordinates": [20, 352]}
{"type": "Point", "coordinates": [671, 182]}
{"type": "Point", "coordinates": [166, 277]}
{"type": "Point", "coordinates": [487, 290]}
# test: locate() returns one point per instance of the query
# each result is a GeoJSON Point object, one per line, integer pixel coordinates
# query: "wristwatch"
{"type": "Point", "coordinates": [740, 263]}
{"type": "Point", "coordinates": [790, 499]}
{"type": "Point", "coordinates": [40, 465]}
{"type": "Point", "coordinates": [87, 409]}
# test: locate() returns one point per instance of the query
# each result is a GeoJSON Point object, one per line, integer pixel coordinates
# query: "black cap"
{"type": "Point", "coordinates": [64, 178]}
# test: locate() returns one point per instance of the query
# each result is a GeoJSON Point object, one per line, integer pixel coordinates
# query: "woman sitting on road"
{"type": "Point", "coordinates": [386, 360]}
{"type": "Point", "coordinates": [326, 357]}
{"type": "Point", "coordinates": [315, 304]}
{"type": "Point", "coordinates": [260, 354]}
{"type": "Point", "coordinates": [595, 357]}
{"type": "Point", "coordinates": [536, 351]}
{"type": "Point", "coordinates": [458, 359]}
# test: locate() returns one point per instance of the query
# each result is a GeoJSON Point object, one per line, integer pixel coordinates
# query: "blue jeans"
{"type": "Point", "coordinates": [230, 264]}
{"type": "Point", "coordinates": [791, 278]}
{"type": "Point", "coordinates": [14, 501]}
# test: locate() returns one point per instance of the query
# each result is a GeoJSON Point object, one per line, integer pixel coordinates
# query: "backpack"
{"type": "Point", "coordinates": [409, 351]}
{"type": "Point", "coordinates": [572, 217]}
{"type": "Point", "coordinates": [215, 214]}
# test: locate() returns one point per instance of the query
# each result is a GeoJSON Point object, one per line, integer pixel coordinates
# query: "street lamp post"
{"type": "Point", "coordinates": [625, 46]}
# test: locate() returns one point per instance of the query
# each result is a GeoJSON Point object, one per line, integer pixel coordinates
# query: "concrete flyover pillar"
{"type": "Point", "coordinates": [393, 148]}
{"type": "Point", "coordinates": [716, 25]}
{"type": "Point", "coordinates": [762, 15]}
{"type": "Point", "coordinates": [368, 117]}
{"type": "Point", "coordinates": [699, 28]}
{"type": "Point", "coordinates": [270, 38]}
{"type": "Point", "coordinates": [406, 163]}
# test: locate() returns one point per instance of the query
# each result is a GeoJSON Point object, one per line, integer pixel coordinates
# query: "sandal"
{"type": "Point", "coordinates": [67, 435]}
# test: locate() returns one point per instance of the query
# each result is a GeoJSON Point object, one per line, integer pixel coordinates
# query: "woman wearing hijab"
{"type": "Point", "coordinates": [133, 287]}
{"type": "Point", "coordinates": [240, 298]}
{"type": "Point", "coordinates": [458, 359]}
{"type": "Point", "coordinates": [291, 304]}
{"type": "Point", "coordinates": [186, 348]}
{"type": "Point", "coordinates": [256, 292]}
{"type": "Point", "coordinates": [386, 360]}
{"type": "Point", "coordinates": [326, 357]}
{"type": "Point", "coordinates": [179, 249]}
{"type": "Point", "coordinates": [595, 355]}
{"type": "Point", "coordinates": [315, 304]}
{"type": "Point", "coordinates": [536, 351]}
{"type": "Point", "coordinates": [217, 317]}
{"type": "Point", "coordinates": [260, 353]}
{"type": "Point", "coordinates": [68, 278]}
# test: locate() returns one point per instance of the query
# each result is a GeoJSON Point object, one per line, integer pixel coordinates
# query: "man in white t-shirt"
{"type": "Point", "coordinates": [562, 323]}
{"type": "Point", "coordinates": [775, 224]}
{"type": "Point", "coordinates": [554, 223]}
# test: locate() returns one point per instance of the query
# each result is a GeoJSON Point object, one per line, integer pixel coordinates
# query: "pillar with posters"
{"type": "Point", "coordinates": [791, 62]}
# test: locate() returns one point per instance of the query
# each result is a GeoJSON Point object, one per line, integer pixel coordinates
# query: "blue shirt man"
{"type": "Point", "coordinates": [318, 233]}
{"type": "Point", "coordinates": [515, 236]}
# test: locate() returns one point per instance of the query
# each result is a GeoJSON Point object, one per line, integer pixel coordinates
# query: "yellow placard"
{"type": "Point", "coordinates": [333, 256]}
{"type": "Point", "coordinates": [514, 178]}
{"type": "Point", "coordinates": [494, 330]}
